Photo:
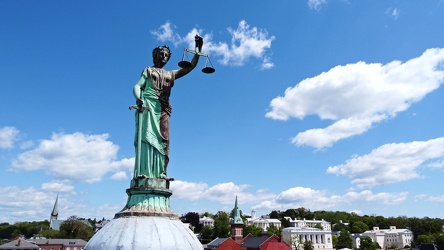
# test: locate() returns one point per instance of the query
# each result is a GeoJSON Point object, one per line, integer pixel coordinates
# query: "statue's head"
{"type": "Point", "coordinates": [161, 55]}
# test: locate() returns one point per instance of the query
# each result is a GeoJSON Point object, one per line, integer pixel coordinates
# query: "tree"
{"type": "Point", "coordinates": [193, 219]}
{"type": "Point", "coordinates": [221, 225]}
{"type": "Point", "coordinates": [285, 222]}
{"type": "Point", "coordinates": [273, 229]}
{"type": "Point", "coordinates": [8, 231]}
{"type": "Point", "coordinates": [344, 239]}
{"type": "Point", "coordinates": [275, 215]}
{"type": "Point", "coordinates": [334, 241]}
{"type": "Point", "coordinates": [368, 244]}
{"type": "Point", "coordinates": [50, 234]}
{"type": "Point", "coordinates": [439, 241]}
{"type": "Point", "coordinates": [290, 213]}
{"type": "Point", "coordinates": [422, 238]}
{"type": "Point", "coordinates": [207, 234]}
{"type": "Point", "coordinates": [304, 213]}
{"type": "Point", "coordinates": [252, 229]}
{"type": "Point", "coordinates": [359, 227]}
{"type": "Point", "coordinates": [295, 241]}
{"type": "Point", "coordinates": [340, 227]}
{"type": "Point", "coordinates": [393, 245]}
{"type": "Point", "coordinates": [73, 228]}
{"type": "Point", "coordinates": [308, 245]}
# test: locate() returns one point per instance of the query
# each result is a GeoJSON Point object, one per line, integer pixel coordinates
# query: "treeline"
{"type": "Point", "coordinates": [425, 230]}
{"type": "Point", "coordinates": [355, 223]}
{"type": "Point", "coordinates": [72, 228]}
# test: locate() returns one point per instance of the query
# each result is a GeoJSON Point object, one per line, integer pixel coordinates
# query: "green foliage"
{"type": "Point", "coordinates": [303, 213]}
{"type": "Point", "coordinates": [275, 215]}
{"type": "Point", "coordinates": [290, 213]}
{"type": "Point", "coordinates": [341, 226]}
{"type": "Point", "coordinates": [393, 245]}
{"type": "Point", "coordinates": [344, 240]}
{"type": "Point", "coordinates": [50, 234]}
{"type": "Point", "coordinates": [73, 228]}
{"type": "Point", "coordinates": [206, 214]}
{"type": "Point", "coordinates": [221, 225]}
{"type": "Point", "coordinates": [207, 234]}
{"type": "Point", "coordinates": [252, 229]}
{"type": "Point", "coordinates": [359, 227]}
{"type": "Point", "coordinates": [423, 238]}
{"type": "Point", "coordinates": [272, 229]}
{"type": "Point", "coordinates": [28, 229]}
{"type": "Point", "coordinates": [8, 231]}
{"type": "Point", "coordinates": [439, 241]}
{"type": "Point", "coordinates": [334, 240]}
{"type": "Point", "coordinates": [368, 244]}
{"type": "Point", "coordinates": [308, 245]}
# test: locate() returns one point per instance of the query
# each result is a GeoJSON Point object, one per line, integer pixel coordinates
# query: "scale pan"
{"type": "Point", "coordinates": [208, 70]}
{"type": "Point", "coordinates": [184, 64]}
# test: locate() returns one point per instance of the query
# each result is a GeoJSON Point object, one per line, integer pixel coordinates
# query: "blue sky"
{"type": "Point", "coordinates": [323, 104]}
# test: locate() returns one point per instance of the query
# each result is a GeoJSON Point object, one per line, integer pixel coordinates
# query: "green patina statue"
{"type": "Point", "coordinates": [152, 93]}
{"type": "Point", "coordinates": [149, 191]}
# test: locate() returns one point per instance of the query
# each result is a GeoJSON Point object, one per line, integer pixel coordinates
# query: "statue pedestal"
{"type": "Point", "coordinates": [148, 197]}
{"type": "Point", "coordinates": [146, 222]}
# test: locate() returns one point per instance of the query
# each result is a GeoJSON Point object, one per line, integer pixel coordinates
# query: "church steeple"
{"type": "Point", "coordinates": [237, 219]}
{"type": "Point", "coordinates": [237, 224]}
{"type": "Point", "coordinates": [54, 213]}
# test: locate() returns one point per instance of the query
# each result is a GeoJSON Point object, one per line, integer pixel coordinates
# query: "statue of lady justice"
{"type": "Point", "coordinates": [152, 93]}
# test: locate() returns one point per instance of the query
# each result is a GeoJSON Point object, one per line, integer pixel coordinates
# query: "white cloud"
{"type": "Point", "coordinates": [222, 192]}
{"type": "Point", "coordinates": [188, 190]}
{"type": "Point", "coordinates": [76, 157]}
{"type": "Point", "coordinates": [394, 12]}
{"type": "Point", "coordinates": [437, 199]}
{"type": "Point", "coordinates": [369, 196]}
{"type": "Point", "coordinates": [262, 200]}
{"type": "Point", "coordinates": [358, 212]}
{"type": "Point", "coordinates": [35, 204]}
{"type": "Point", "coordinates": [317, 199]}
{"type": "Point", "coordinates": [390, 163]}
{"type": "Point", "coordinates": [356, 96]}
{"type": "Point", "coordinates": [165, 33]}
{"type": "Point", "coordinates": [316, 4]}
{"type": "Point", "coordinates": [246, 42]}
{"type": "Point", "coordinates": [57, 187]}
{"type": "Point", "coordinates": [8, 136]}
{"type": "Point", "coordinates": [121, 175]}
{"type": "Point", "coordinates": [21, 204]}
{"type": "Point", "coordinates": [267, 64]}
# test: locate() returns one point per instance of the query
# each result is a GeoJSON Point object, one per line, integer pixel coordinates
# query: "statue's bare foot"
{"type": "Point", "coordinates": [142, 176]}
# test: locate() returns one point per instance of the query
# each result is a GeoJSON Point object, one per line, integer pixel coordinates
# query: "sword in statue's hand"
{"type": "Point", "coordinates": [140, 108]}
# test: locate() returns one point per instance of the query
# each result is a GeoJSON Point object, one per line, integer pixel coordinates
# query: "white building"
{"type": "Point", "coordinates": [390, 237]}
{"type": "Point", "coordinates": [263, 223]}
{"type": "Point", "coordinates": [309, 223]}
{"type": "Point", "coordinates": [206, 221]}
{"type": "Point", "coordinates": [296, 236]}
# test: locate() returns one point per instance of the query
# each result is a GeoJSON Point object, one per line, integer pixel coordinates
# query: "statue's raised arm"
{"type": "Point", "coordinates": [185, 70]}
